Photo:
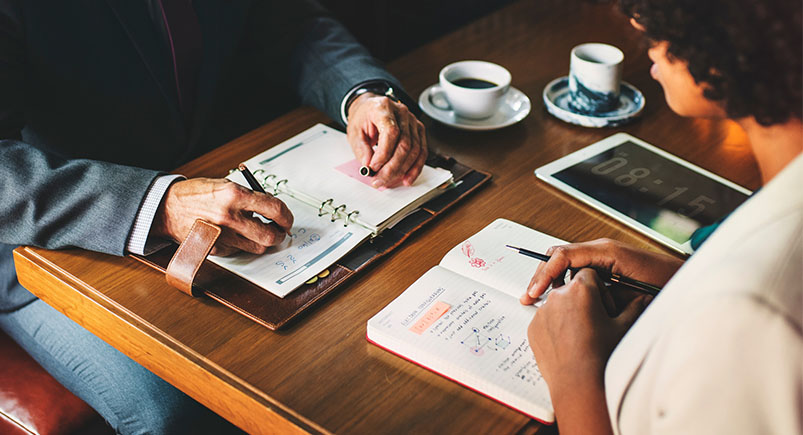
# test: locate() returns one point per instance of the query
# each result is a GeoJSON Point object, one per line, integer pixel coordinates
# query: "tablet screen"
{"type": "Point", "coordinates": [657, 192]}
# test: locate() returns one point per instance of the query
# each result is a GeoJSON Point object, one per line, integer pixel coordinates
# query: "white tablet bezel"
{"type": "Point", "coordinates": [546, 173]}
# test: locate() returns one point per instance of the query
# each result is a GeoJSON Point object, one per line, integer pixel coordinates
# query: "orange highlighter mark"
{"type": "Point", "coordinates": [434, 313]}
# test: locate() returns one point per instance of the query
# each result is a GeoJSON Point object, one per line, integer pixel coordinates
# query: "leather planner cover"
{"type": "Point", "coordinates": [274, 312]}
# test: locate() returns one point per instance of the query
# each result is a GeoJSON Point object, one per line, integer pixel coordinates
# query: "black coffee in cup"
{"type": "Point", "coordinates": [474, 89]}
{"type": "Point", "coordinates": [472, 83]}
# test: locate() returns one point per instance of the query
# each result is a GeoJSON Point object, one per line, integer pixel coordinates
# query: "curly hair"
{"type": "Point", "coordinates": [746, 53]}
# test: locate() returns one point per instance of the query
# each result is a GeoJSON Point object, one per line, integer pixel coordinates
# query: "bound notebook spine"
{"type": "Point", "coordinates": [276, 186]}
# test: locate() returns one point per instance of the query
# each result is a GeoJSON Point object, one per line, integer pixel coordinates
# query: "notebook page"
{"type": "Point", "coordinates": [310, 161]}
{"type": "Point", "coordinates": [484, 257]}
{"type": "Point", "coordinates": [467, 332]}
{"type": "Point", "coordinates": [316, 243]}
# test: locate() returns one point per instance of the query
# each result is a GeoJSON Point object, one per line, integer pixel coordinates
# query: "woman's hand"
{"type": "Point", "coordinates": [604, 254]}
{"type": "Point", "coordinates": [572, 335]}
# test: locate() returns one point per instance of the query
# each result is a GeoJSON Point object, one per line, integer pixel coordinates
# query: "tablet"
{"type": "Point", "coordinates": [646, 188]}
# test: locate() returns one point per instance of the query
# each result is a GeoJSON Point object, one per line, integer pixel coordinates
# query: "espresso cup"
{"type": "Point", "coordinates": [473, 89]}
{"type": "Point", "coordinates": [595, 73]}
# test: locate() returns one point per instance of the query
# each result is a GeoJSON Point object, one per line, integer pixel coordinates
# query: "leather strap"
{"type": "Point", "coordinates": [190, 255]}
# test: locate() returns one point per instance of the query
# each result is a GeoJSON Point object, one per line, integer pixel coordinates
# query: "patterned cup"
{"type": "Point", "coordinates": [595, 72]}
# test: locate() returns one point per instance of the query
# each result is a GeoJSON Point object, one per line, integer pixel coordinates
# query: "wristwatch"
{"type": "Point", "coordinates": [375, 87]}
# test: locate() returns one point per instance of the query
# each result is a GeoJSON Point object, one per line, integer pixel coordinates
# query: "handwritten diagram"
{"type": "Point", "coordinates": [487, 337]}
{"type": "Point", "coordinates": [476, 342]}
{"type": "Point", "coordinates": [475, 260]}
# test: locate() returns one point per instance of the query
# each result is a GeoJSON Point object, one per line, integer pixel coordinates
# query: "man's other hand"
{"type": "Point", "coordinates": [400, 139]}
{"type": "Point", "coordinates": [228, 205]}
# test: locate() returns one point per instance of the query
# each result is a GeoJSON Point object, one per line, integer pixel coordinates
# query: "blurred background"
{"type": "Point", "coordinates": [392, 28]}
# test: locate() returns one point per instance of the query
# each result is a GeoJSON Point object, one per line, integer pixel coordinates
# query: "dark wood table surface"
{"type": "Point", "coordinates": [320, 374]}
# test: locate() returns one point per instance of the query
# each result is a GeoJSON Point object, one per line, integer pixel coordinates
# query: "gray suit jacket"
{"type": "Point", "coordinates": [89, 111]}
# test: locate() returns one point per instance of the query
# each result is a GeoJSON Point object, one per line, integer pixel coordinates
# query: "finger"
{"type": "Point", "coordinates": [533, 291]}
{"type": "Point", "coordinates": [230, 242]}
{"type": "Point", "coordinates": [632, 312]}
{"type": "Point", "coordinates": [255, 230]}
{"type": "Point", "coordinates": [361, 144]}
{"type": "Point", "coordinates": [526, 299]}
{"type": "Point", "coordinates": [608, 299]}
{"type": "Point", "coordinates": [586, 287]}
{"type": "Point", "coordinates": [622, 296]}
{"type": "Point", "coordinates": [221, 250]}
{"type": "Point", "coordinates": [389, 132]}
{"type": "Point", "coordinates": [394, 169]}
{"type": "Point", "coordinates": [409, 158]}
{"type": "Point", "coordinates": [551, 271]}
{"type": "Point", "coordinates": [415, 170]}
{"type": "Point", "coordinates": [236, 213]}
{"type": "Point", "coordinates": [269, 207]}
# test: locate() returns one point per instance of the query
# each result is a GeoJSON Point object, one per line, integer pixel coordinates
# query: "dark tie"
{"type": "Point", "coordinates": [184, 40]}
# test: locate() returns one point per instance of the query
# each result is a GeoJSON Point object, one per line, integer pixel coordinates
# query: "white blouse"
{"type": "Point", "coordinates": [720, 350]}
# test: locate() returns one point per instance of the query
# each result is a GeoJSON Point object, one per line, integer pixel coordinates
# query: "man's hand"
{"type": "Point", "coordinates": [601, 254]}
{"type": "Point", "coordinates": [228, 205]}
{"type": "Point", "coordinates": [400, 138]}
{"type": "Point", "coordinates": [572, 336]}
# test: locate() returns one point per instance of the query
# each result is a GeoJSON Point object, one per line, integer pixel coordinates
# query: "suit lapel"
{"type": "Point", "coordinates": [138, 24]}
{"type": "Point", "coordinates": [222, 25]}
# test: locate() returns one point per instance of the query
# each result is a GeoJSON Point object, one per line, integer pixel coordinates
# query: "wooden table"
{"type": "Point", "coordinates": [320, 374]}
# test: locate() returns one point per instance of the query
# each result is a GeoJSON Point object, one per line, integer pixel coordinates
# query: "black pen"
{"type": "Point", "coordinates": [610, 277]}
{"type": "Point", "coordinates": [256, 187]}
{"type": "Point", "coordinates": [252, 181]}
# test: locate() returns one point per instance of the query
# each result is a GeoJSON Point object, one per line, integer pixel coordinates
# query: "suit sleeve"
{"type": "Point", "coordinates": [48, 199]}
{"type": "Point", "coordinates": [326, 61]}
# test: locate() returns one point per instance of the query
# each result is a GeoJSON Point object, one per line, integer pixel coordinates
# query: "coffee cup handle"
{"type": "Point", "coordinates": [437, 97]}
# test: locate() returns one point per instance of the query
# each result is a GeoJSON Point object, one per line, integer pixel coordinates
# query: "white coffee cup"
{"type": "Point", "coordinates": [473, 89]}
{"type": "Point", "coordinates": [595, 73]}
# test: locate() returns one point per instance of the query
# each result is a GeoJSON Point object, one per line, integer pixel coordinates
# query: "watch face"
{"type": "Point", "coordinates": [655, 191]}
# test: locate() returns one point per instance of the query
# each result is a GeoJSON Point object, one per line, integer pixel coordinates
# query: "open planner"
{"type": "Point", "coordinates": [335, 208]}
{"type": "Point", "coordinates": [342, 225]}
{"type": "Point", "coordinates": [462, 319]}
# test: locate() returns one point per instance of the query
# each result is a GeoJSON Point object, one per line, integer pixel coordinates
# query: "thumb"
{"type": "Point", "coordinates": [632, 311]}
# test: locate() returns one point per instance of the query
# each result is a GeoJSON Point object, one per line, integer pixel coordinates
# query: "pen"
{"type": "Point", "coordinates": [256, 187]}
{"type": "Point", "coordinates": [610, 277]}
{"type": "Point", "coordinates": [252, 181]}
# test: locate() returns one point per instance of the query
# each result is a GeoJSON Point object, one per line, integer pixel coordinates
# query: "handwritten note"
{"type": "Point", "coordinates": [479, 340]}
{"type": "Point", "coordinates": [352, 169]}
{"type": "Point", "coordinates": [438, 309]}
{"type": "Point", "coordinates": [484, 257]}
{"type": "Point", "coordinates": [315, 244]}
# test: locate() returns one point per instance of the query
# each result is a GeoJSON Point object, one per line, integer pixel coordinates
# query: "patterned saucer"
{"type": "Point", "coordinates": [556, 99]}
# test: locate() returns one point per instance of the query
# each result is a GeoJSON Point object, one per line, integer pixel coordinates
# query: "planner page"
{"type": "Point", "coordinates": [468, 332]}
{"type": "Point", "coordinates": [484, 257]}
{"type": "Point", "coordinates": [315, 244]}
{"type": "Point", "coordinates": [320, 163]}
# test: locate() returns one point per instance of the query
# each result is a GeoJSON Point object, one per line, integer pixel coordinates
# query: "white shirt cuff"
{"type": "Point", "coordinates": [138, 242]}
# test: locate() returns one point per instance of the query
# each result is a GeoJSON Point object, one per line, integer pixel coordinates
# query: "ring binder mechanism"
{"type": "Point", "coordinates": [271, 183]}
{"type": "Point", "coordinates": [271, 288]}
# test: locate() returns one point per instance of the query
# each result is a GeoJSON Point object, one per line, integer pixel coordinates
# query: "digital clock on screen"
{"type": "Point", "coordinates": [653, 188]}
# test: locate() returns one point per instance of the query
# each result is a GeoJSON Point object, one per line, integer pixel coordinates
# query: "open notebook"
{"type": "Point", "coordinates": [463, 320]}
{"type": "Point", "coordinates": [335, 208]}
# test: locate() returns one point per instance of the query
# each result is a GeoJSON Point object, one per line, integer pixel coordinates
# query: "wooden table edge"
{"type": "Point", "coordinates": [231, 397]}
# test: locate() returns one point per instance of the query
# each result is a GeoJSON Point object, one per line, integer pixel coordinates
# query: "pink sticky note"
{"type": "Point", "coordinates": [352, 169]}
{"type": "Point", "coordinates": [434, 313]}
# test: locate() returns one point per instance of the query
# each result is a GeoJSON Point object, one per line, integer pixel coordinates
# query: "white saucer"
{"type": "Point", "coordinates": [556, 98]}
{"type": "Point", "coordinates": [514, 108]}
